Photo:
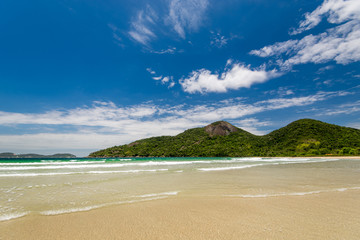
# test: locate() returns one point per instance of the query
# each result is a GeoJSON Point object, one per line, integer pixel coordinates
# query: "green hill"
{"type": "Point", "coordinates": [305, 137]}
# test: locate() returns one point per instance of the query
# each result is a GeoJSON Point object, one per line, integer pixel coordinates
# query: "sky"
{"type": "Point", "coordinates": [77, 76]}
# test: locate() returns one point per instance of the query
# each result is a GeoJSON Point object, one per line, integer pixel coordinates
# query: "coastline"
{"type": "Point", "coordinates": [258, 199]}
{"type": "Point", "coordinates": [320, 216]}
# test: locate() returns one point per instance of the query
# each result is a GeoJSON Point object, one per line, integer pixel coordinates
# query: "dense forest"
{"type": "Point", "coordinates": [305, 137]}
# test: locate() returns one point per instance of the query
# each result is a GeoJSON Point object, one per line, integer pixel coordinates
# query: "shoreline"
{"type": "Point", "coordinates": [317, 199]}
{"type": "Point", "coordinates": [331, 215]}
{"type": "Point", "coordinates": [315, 157]}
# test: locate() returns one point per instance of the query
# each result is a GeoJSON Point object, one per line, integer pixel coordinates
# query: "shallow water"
{"type": "Point", "coordinates": [57, 186]}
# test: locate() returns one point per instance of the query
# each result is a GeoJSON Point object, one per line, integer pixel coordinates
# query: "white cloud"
{"type": "Point", "coordinates": [157, 78]}
{"type": "Point", "coordinates": [235, 77]}
{"type": "Point", "coordinates": [141, 26]}
{"type": "Point", "coordinates": [170, 50]}
{"type": "Point", "coordinates": [324, 69]}
{"type": "Point", "coordinates": [281, 92]}
{"type": "Point", "coordinates": [276, 49]}
{"type": "Point", "coordinates": [252, 125]}
{"type": "Point", "coordinates": [150, 71]}
{"type": "Point", "coordinates": [165, 80]}
{"type": "Point", "coordinates": [218, 40]}
{"type": "Point", "coordinates": [336, 11]}
{"type": "Point", "coordinates": [186, 14]}
{"type": "Point", "coordinates": [172, 84]}
{"type": "Point", "coordinates": [181, 16]}
{"type": "Point", "coordinates": [105, 124]}
{"type": "Point", "coordinates": [169, 80]}
{"type": "Point", "coordinates": [347, 108]}
{"type": "Point", "coordinates": [354, 125]}
{"type": "Point", "coordinates": [116, 35]}
{"type": "Point", "coordinates": [340, 44]}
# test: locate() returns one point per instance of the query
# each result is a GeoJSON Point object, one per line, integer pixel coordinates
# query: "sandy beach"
{"type": "Point", "coordinates": [323, 216]}
{"type": "Point", "coordinates": [276, 200]}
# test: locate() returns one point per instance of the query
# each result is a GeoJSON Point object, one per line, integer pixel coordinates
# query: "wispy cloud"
{"type": "Point", "coordinates": [116, 32]}
{"type": "Point", "coordinates": [281, 92]}
{"type": "Point", "coordinates": [340, 44]}
{"type": "Point", "coordinates": [348, 108]}
{"type": "Point", "coordinates": [170, 50]}
{"type": "Point", "coordinates": [180, 17]}
{"type": "Point", "coordinates": [186, 15]}
{"type": "Point", "coordinates": [218, 40]}
{"type": "Point", "coordinates": [141, 26]}
{"type": "Point", "coordinates": [324, 69]}
{"type": "Point", "coordinates": [234, 76]}
{"type": "Point", "coordinates": [167, 80]}
{"type": "Point", "coordinates": [336, 11]}
{"type": "Point", "coordinates": [105, 124]}
{"type": "Point", "coordinates": [253, 125]}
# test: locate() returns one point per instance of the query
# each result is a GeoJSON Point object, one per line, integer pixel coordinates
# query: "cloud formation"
{"type": "Point", "coordinates": [167, 80]}
{"type": "Point", "coordinates": [141, 27]}
{"type": "Point", "coordinates": [186, 15]}
{"type": "Point", "coordinates": [252, 125]}
{"type": "Point", "coordinates": [340, 44]}
{"type": "Point", "coordinates": [337, 11]}
{"type": "Point", "coordinates": [181, 16]}
{"type": "Point", "coordinates": [116, 32]}
{"type": "Point", "coordinates": [218, 40]}
{"type": "Point", "coordinates": [105, 124]}
{"type": "Point", "coordinates": [234, 77]}
{"type": "Point", "coordinates": [347, 108]}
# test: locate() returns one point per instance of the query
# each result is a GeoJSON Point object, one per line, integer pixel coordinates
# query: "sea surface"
{"type": "Point", "coordinates": [60, 186]}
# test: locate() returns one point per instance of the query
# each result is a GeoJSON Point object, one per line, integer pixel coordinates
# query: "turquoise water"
{"type": "Point", "coordinates": [58, 186]}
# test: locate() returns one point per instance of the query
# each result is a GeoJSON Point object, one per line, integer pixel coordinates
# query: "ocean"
{"type": "Point", "coordinates": [60, 186]}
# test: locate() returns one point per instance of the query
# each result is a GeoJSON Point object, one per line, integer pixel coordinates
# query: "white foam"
{"type": "Point", "coordinates": [228, 168]}
{"type": "Point", "coordinates": [71, 173]}
{"type": "Point", "coordinates": [104, 165]}
{"type": "Point", "coordinates": [88, 208]}
{"type": "Point", "coordinates": [49, 163]}
{"type": "Point", "coordinates": [82, 166]}
{"type": "Point", "coordinates": [293, 193]}
{"type": "Point", "coordinates": [10, 216]}
{"type": "Point", "coordinates": [158, 194]}
{"type": "Point", "coordinates": [130, 171]}
{"type": "Point", "coordinates": [269, 162]}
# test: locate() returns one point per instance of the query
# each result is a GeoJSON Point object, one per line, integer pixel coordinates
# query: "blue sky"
{"type": "Point", "coordinates": [78, 75]}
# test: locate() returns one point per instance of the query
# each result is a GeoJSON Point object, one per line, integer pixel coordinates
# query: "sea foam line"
{"type": "Point", "coordinates": [146, 197]}
{"type": "Point", "coordinates": [104, 165]}
{"type": "Point", "coordinates": [9, 216]}
{"type": "Point", "coordinates": [88, 172]}
{"type": "Point", "coordinates": [158, 194]}
{"type": "Point", "coordinates": [292, 194]}
{"type": "Point", "coordinates": [48, 163]}
{"type": "Point", "coordinates": [229, 168]}
{"type": "Point", "coordinates": [268, 163]}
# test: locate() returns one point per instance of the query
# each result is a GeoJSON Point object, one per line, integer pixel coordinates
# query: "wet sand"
{"type": "Point", "coordinates": [331, 215]}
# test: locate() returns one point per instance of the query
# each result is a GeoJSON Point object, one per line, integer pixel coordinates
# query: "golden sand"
{"type": "Point", "coordinates": [331, 215]}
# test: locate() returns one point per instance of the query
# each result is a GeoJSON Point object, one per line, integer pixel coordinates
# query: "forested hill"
{"type": "Point", "coordinates": [305, 137]}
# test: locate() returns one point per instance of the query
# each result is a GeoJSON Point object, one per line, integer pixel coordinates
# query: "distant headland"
{"type": "Point", "coordinates": [304, 137]}
{"type": "Point", "coordinates": [33, 155]}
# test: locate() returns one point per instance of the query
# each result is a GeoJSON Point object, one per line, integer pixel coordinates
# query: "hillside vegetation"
{"type": "Point", "coordinates": [305, 137]}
